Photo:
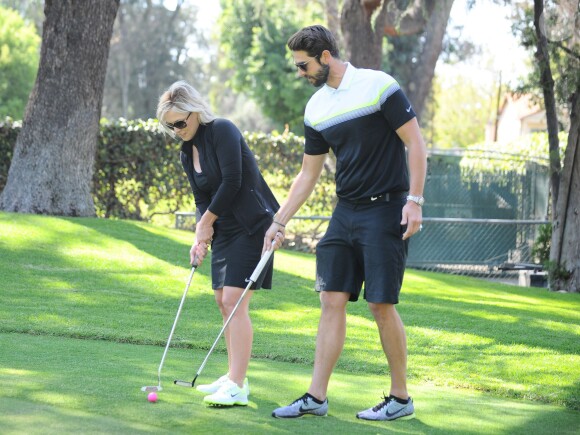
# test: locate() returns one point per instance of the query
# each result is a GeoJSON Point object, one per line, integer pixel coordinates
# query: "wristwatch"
{"type": "Point", "coordinates": [419, 200]}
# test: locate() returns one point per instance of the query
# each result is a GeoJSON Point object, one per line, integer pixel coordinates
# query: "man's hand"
{"type": "Point", "coordinates": [274, 233]}
{"type": "Point", "coordinates": [412, 217]}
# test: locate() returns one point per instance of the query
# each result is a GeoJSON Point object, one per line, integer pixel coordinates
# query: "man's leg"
{"type": "Point", "coordinates": [329, 341]}
{"type": "Point", "coordinates": [394, 342]}
{"type": "Point", "coordinates": [329, 344]}
{"type": "Point", "coordinates": [398, 405]}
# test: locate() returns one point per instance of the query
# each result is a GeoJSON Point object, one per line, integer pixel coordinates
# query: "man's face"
{"type": "Point", "coordinates": [311, 69]}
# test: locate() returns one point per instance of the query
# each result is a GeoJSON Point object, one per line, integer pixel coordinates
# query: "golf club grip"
{"type": "Point", "coordinates": [265, 258]}
{"type": "Point", "coordinates": [195, 263]}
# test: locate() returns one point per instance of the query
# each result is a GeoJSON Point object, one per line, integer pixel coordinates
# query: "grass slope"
{"type": "Point", "coordinates": [119, 281]}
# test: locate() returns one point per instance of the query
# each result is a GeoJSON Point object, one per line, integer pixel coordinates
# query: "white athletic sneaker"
{"type": "Point", "coordinates": [215, 385]}
{"type": "Point", "coordinates": [389, 409]}
{"type": "Point", "coordinates": [229, 394]}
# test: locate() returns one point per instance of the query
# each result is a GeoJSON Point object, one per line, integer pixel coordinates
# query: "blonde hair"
{"type": "Point", "coordinates": [181, 97]}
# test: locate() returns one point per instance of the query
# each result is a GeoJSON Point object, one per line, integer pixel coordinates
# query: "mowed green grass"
{"type": "Point", "coordinates": [86, 306]}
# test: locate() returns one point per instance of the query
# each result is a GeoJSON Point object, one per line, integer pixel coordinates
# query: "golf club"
{"type": "Point", "coordinates": [263, 261]}
{"type": "Point", "coordinates": [150, 389]}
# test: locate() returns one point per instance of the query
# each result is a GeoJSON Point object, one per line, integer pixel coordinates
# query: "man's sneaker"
{"type": "Point", "coordinates": [389, 409]}
{"type": "Point", "coordinates": [229, 394]}
{"type": "Point", "coordinates": [302, 406]}
{"type": "Point", "coordinates": [214, 386]}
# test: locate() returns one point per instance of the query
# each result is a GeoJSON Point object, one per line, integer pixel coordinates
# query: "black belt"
{"type": "Point", "coordinates": [384, 197]}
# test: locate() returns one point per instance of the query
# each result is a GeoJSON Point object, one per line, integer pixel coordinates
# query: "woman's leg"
{"type": "Point", "coordinates": [239, 333]}
{"type": "Point", "coordinates": [218, 298]}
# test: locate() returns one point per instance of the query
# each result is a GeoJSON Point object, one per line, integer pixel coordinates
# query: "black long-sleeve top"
{"type": "Point", "coordinates": [237, 186]}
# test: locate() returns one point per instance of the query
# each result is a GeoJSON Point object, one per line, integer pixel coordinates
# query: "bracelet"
{"type": "Point", "coordinates": [278, 223]}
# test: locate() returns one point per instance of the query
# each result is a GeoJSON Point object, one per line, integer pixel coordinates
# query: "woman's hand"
{"type": "Point", "coordinates": [197, 253]}
{"type": "Point", "coordinates": [204, 233]}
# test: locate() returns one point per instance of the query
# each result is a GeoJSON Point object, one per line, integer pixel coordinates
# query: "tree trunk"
{"type": "Point", "coordinates": [422, 79]}
{"type": "Point", "coordinates": [333, 19]}
{"type": "Point", "coordinates": [52, 166]}
{"type": "Point", "coordinates": [363, 38]}
{"type": "Point", "coordinates": [547, 85]}
{"type": "Point", "coordinates": [565, 246]}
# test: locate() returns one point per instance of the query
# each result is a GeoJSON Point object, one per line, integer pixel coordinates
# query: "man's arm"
{"type": "Point", "coordinates": [411, 136]}
{"type": "Point", "coordinates": [302, 187]}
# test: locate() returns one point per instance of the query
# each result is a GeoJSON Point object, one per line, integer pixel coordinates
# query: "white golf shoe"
{"type": "Point", "coordinates": [229, 394]}
{"type": "Point", "coordinates": [215, 385]}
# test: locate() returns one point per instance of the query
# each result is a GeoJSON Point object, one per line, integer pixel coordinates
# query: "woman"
{"type": "Point", "coordinates": [236, 207]}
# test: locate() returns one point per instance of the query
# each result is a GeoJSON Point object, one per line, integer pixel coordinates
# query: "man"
{"type": "Point", "coordinates": [367, 120]}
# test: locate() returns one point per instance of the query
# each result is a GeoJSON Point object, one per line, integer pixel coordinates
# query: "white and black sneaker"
{"type": "Point", "coordinates": [229, 394]}
{"type": "Point", "coordinates": [306, 404]}
{"type": "Point", "coordinates": [389, 409]}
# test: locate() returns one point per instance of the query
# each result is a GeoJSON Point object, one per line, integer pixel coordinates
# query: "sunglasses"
{"type": "Point", "coordinates": [180, 125]}
{"type": "Point", "coordinates": [304, 65]}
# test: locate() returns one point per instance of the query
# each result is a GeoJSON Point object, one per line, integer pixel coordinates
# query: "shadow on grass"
{"type": "Point", "coordinates": [63, 383]}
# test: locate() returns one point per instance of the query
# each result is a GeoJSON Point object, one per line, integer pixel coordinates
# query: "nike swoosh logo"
{"type": "Point", "coordinates": [234, 395]}
{"type": "Point", "coordinates": [374, 198]}
{"type": "Point", "coordinates": [408, 109]}
{"type": "Point", "coordinates": [303, 410]}
{"type": "Point", "coordinates": [389, 414]}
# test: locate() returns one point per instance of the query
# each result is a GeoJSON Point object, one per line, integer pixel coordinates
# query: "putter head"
{"type": "Point", "coordinates": [185, 383]}
{"type": "Point", "coordinates": [152, 389]}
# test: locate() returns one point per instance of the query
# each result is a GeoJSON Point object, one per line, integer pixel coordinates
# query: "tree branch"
{"type": "Point", "coordinates": [563, 47]}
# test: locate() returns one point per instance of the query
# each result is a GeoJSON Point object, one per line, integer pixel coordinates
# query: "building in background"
{"type": "Point", "coordinates": [518, 115]}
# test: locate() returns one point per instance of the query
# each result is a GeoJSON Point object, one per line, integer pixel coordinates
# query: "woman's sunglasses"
{"type": "Point", "coordinates": [304, 65]}
{"type": "Point", "coordinates": [180, 125]}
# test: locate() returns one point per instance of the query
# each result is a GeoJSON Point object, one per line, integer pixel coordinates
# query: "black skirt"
{"type": "Point", "coordinates": [235, 255]}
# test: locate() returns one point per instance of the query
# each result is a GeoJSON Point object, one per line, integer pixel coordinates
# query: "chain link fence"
{"type": "Point", "coordinates": [490, 248]}
{"type": "Point", "coordinates": [477, 224]}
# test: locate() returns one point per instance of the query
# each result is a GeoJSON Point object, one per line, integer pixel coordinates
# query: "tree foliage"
{"type": "Point", "coordinates": [149, 51]}
{"type": "Point", "coordinates": [562, 34]}
{"type": "Point", "coordinates": [462, 109]}
{"type": "Point", "coordinates": [494, 158]}
{"type": "Point", "coordinates": [19, 55]}
{"type": "Point", "coordinates": [253, 40]}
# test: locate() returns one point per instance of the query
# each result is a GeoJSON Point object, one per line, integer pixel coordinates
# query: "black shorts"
{"type": "Point", "coordinates": [234, 257]}
{"type": "Point", "coordinates": [364, 243]}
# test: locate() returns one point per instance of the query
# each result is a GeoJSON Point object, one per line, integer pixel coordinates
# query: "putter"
{"type": "Point", "coordinates": [150, 389]}
{"type": "Point", "coordinates": [265, 258]}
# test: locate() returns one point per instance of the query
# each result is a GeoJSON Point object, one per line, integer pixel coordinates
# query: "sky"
{"type": "Point", "coordinates": [489, 26]}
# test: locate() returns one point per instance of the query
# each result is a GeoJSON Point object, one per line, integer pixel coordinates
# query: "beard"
{"type": "Point", "coordinates": [321, 77]}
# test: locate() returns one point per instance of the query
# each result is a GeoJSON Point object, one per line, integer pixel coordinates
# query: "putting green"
{"type": "Point", "coordinates": [60, 385]}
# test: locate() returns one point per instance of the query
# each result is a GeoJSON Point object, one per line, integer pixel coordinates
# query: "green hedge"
{"type": "Point", "coordinates": [138, 173]}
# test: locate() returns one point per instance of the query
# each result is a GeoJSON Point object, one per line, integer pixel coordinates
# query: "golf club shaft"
{"type": "Point", "coordinates": [175, 323]}
{"type": "Point", "coordinates": [257, 271]}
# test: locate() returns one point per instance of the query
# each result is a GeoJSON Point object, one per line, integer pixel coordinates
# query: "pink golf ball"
{"type": "Point", "coordinates": [152, 397]}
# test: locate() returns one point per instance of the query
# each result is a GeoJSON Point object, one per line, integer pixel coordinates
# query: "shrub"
{"type": "Point", "coordinates": [138, 173]}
